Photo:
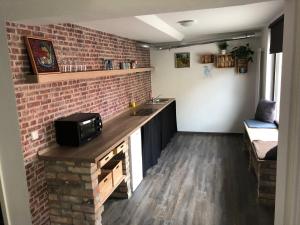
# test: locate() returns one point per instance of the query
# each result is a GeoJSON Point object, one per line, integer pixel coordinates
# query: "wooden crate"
{"type": "Point", "coordinates": [121, 148]}
{"type": "Point", "coordinates": [224, 61]}
{"type": "Point", "coordinates": [241, 66]}
{"type": "Point", "coordinates": [116, 169]}
{"type": "Point", "coordinates": [106, 159]}
{"type": "Point", "coordinates": [208, 58]}
{"type": "Point", "coordinates": [105, 185]}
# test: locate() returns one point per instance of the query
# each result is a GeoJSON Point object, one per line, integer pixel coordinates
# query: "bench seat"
{"type": "Point", "coordinates": [258, 142]}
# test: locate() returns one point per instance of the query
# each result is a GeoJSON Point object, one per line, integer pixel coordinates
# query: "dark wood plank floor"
{"type": "Point", "coordinates": [199, 180]}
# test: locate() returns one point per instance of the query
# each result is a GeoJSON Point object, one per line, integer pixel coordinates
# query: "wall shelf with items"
{"type": "Point", "coordinates": [224, 61]}
{"type": "Point", "coordinates": [241, 66]}
{"type": "Point", "coordinates": [53, 77]}
{"type": "Point", "coordinates": [207, 58]}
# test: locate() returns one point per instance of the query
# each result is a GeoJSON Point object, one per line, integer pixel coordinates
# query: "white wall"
{"type": "Point", "coordinates": [215, 103]}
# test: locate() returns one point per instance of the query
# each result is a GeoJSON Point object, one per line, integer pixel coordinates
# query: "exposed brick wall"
{"type": "Point", "coordinates": [73, 44]}
{"type": "Point", "coordinates": [39, 105]}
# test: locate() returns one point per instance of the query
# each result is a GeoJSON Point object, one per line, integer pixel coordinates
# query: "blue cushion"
{"type": "Point", "coordinates": [260, 124]}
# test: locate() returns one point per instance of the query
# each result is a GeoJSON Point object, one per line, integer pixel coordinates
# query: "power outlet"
{"type": "Point", "coordinates": [34, 135]}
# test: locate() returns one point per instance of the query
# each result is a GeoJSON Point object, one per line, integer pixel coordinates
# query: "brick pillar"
{"type": "Point", "coordinates": [73, 193]}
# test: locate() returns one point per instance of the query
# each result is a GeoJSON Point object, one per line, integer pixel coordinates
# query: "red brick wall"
{"type": "Point", "coordinates": [40, 104]}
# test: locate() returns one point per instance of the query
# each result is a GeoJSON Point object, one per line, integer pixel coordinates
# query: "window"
{"type": "Point", "coordinates": [277, 82]}
{"type": "Point", "coordinates": [273, 79]}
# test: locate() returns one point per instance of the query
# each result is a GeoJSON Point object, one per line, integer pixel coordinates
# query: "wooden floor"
{"type": "Point", "coordinates": [199, 180]}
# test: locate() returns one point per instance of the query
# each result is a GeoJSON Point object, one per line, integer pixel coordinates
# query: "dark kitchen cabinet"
{"type": "Point", "coordinates": [151, 143]}
{"type": "Point", "coordinates": [168, 124]}
{"type": "Point", "coordinates": [156, 134]}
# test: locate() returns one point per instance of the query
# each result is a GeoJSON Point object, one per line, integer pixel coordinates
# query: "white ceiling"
{"type": "Point", "coordinates": [224, 20]}
{"type": "Point", "coordinates": [129, 27]}
{"type": "Point", "coordinates": [59, 11]}
{"type": "Point", "coordinates": [164, 27]}
{"type": "Point", "coordinates": [126, 18]}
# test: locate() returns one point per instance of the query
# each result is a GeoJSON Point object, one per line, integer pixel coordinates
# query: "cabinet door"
{"type": "Point", "coordinates": [136, 162]}
{"type": "Point", "coordinates": [151, 143]}
{"type": "Point", "coordinates": [165, 127]}
{"type": "Point", "coordinates": [173, 120]}
{"type": "Point", "coordinates": [168, 123]}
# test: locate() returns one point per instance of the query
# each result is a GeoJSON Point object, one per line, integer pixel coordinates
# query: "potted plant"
{"type": "Point", "coordinates": [223, 47]}
{"type": "Point", "coordinates": [243, 55]}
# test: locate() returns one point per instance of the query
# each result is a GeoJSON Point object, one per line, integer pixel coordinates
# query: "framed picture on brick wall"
{"type": "Point", "coordinates": [42, 55]}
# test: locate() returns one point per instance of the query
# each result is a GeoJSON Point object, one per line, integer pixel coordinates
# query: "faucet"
{"type": "Point", "coordinates": [156, 98]}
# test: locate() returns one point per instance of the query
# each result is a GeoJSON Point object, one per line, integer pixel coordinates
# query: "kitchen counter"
{"type": "Point", "coordinates": [114, 131]}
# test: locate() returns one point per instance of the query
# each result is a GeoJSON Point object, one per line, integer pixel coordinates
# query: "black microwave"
{"type": "Point", "coordinates": [77, 129]}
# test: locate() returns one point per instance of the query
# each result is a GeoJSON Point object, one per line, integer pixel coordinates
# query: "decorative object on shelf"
{"type": "Point", "coordinates": [243, 55]}
{"type": "Point", "coordinates": [68, 66]}
{"type": "Point", "coordinates": [124, 65]}
{"type": "Point", "coordinates": [42, 55]}
{"type": "Point", "coordinates": [108, 64]}
{"type": "Point", "coordinates": [224, 61]}
{"type": "Point", "coordinates": [182, 60]}
{"type": "Point", "coordinates": [208, 58]}
{"type": "Point", "coordinates": [133, 64]}
{"type": "Point", "coordinates": [223, 47]}
{"type": "Point", "coordinates": [63, 66]}
{"type": "Point", "coordinates": [79, 68]}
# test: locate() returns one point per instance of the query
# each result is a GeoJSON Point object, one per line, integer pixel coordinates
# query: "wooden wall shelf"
{"type": "Point", "coordinates": [53, 77]}
{"type": "Point", "coordinates": [224, 61]}
{"type": "Point", "coordinates": [208, 58]}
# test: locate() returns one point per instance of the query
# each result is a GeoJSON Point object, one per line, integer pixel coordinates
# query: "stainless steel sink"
{"type": "Point", "coordinates": [143, 112]}
{"type": "Point", "coordinates": [158, 101]}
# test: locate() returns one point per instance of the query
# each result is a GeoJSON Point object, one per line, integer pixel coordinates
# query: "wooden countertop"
{"type": "Point", "coordinates": [114, 131]}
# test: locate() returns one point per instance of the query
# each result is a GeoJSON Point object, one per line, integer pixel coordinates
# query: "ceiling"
{"type": "Point", "coordinates": [153, 21]}
{"type": "Point", "coordinates": [164, 27]}
{"type": "Point", "coordinates": [224, 20]}
{"type": "Point", "coordinates": [59, 11]}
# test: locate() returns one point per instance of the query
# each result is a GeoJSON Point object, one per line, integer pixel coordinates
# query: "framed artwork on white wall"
{"type": "Point", "coordinates": [182, 60]}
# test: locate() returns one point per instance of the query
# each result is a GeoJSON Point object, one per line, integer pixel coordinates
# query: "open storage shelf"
{"type": "Point", "coordinates": [53, 77]}
{"type": "Point", "coordinates": [104, 198]}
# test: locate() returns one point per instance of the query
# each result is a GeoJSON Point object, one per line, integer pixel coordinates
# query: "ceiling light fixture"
{"type": "Point", "coordinates": [187, 23]}
{"type": "Point", "coordinates": [143, 45]}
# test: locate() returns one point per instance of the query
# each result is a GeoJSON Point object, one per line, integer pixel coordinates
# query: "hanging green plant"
{"type": "Point", "coordinates": [243, 52]}
{"type": "Point", "coordinates": [222, 45]}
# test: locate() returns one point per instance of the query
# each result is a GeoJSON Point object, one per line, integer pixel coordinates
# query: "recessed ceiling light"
{"type": "Point", "coordinates": [186, 23]}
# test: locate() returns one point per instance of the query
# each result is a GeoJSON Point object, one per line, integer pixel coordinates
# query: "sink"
{"type": "Point", "coordinates": [158, 101]}
{"type": "Point", "coordinates": [143, 112]}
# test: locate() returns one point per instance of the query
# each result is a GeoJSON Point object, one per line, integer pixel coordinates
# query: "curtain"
{"type": "Point", "coordinates": [276, 35]}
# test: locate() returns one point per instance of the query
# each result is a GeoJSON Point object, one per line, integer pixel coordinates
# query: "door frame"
{"type": "Point", "coordinates": [14, 191]}
{"type": "Point", "coordinates": [2, 202]}
{"type": "Point", "coordinates": [287, 208]}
